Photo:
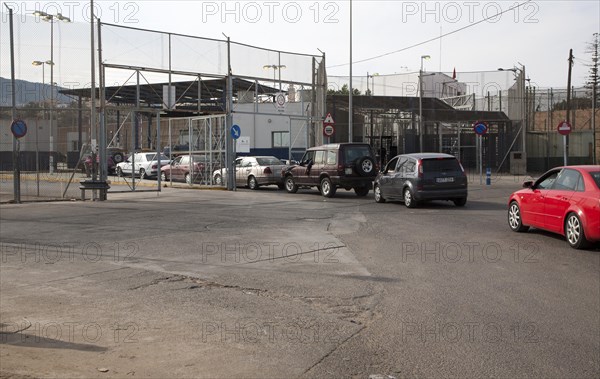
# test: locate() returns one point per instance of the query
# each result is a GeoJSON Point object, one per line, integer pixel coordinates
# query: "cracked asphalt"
{"type": "Point", "coordinates": [265, 284]}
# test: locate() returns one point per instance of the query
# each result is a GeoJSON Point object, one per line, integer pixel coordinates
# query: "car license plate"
{"type": "Point", "coordinates": [349, 171]}
{"type": "Point", "coordinates": [444, 180]}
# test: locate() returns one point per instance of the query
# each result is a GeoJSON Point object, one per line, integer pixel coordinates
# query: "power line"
{"type": "Point", "coordinates": [434, 38]}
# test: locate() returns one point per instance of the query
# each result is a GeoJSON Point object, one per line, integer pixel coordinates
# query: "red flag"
{"type": "Point", "coordinates": [454, 74]}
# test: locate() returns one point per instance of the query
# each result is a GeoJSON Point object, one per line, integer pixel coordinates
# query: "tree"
{"type": "Point", "coordinates": [593, 79]}
{"type": "Point", "coordinates": [344, 91]}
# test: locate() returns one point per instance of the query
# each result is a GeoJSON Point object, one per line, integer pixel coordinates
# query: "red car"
{"type": "Point", "coordinates": [565, 200]}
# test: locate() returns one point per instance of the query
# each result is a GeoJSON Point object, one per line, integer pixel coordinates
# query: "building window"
{"type": "Point", "coordinates": [281, 139]}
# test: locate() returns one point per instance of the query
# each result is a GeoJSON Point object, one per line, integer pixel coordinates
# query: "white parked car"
{"type": "Point", "coordinates": [144, 165]}
{"type": "Point", "coordinates": [253, 172]}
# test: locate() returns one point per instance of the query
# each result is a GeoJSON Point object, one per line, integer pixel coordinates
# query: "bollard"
{"type": "Point", "coordinates": [488, 176]}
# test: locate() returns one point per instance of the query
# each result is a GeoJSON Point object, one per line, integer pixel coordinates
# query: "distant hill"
{"type": "Point", "coordinates": [28, 92]}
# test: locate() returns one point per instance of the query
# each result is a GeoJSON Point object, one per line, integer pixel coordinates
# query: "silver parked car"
{"type": "Point", "coordinates": [254, 172]}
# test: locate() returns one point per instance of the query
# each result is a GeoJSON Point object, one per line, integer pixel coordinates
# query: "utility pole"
{"type": "Point", "coordinates": [350, 105]}
{"type": "Point", "coordinates": [568, 104]}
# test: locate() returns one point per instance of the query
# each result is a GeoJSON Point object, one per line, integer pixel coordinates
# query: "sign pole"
{"type": "Point", "coordinates": [16, 146]}
{"type": "Point", "coordinates": [565, 149]}
{"type": "Point", "coordinates": [565, 128]}
{"type": "Point", "coordinates": [480, 128]}
{"type": "Point", "coordinates": [480, 160]}
{"type": "Point", "coordinates": [234, 166]}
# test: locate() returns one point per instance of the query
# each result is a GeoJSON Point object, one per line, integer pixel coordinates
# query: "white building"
{"type": "Point", "coordinates": [273, 130]}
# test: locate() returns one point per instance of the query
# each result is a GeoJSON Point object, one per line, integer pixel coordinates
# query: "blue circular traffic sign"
{"type": "Point", "coordinates": [236, 132]}
{"type": "Point", "coordinates": [18, 128]}
{"type": "Point", "coordinates": [480, 128]}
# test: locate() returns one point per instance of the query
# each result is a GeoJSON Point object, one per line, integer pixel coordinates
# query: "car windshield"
{"type": "Point", "coordinates": [440, 165]}
{"type": "Point", "coordinates": [268, 161]}
{"type": "Point", "coordinates": [596, 176]}
{"type": "Point", "coordinates": [154, 157]}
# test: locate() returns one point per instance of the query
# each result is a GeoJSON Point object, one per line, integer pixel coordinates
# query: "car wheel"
{"type": "Point", "coordinates": [118, 157]}
{"type": "Point", "coordinates": [143, 173]}
{"type": "Point", "coordinates": [119, 171]}
{"type": "Point", "coordinates": [188, 178]}
{"type": "Point", "coordinates": [218, 180]}
{"type": "Point", "coordinates": [252, 183]}
{"type": "Point", "coordinates": [290, 185]}
{"type": "Point", "coordinates": [361, 191]}
{"type": "Point", "coordinates": [378, 196]}
{"type": "Point", "coordinates": [514, 218]}
{"type": "Point", "coordinates": [365, 166]}
{"type": "Point", "coordinates": [327, 188]}
{"type": "Point", "coordinates": [163, 176]}
{"type": "Point", "coordinates": [409, 199]}
{"type": "Point", "coordinates": [574, 232]}
{"type": "Point", "coordinates": [460, 202]}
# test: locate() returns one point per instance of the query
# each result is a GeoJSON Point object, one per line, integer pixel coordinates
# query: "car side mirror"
{"type": "Point", "coordinates": [528, 184]}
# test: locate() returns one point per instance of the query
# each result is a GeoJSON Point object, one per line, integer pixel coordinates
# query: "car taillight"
{"type": "Point", "coordinates": [154, 166]}
{"type": "Point", "coordinates": [268, 170]}
{"type": "Point", "coordinates": [420, 164]}
{"type": "Point", "coordinates": [340, 167]}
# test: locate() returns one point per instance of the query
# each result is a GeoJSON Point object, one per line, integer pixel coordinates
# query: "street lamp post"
{"type": "Point", "coordinates": [372, 90]}
{"type": "Point", "coordinates": [50, 18]}
{"type": "Point", "coordinates": [275, 67]}
{"type": "Point", "coordinates": [421, 103]}
{"type": "Point", "coordinates": [520, 76]}
{"type": "Point", "coordinates": [43, 64]}
{"type": "Point", "coordinates": [37, 150]}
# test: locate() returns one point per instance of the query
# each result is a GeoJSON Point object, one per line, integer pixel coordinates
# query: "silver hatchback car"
{"type": "Point", "coordinates": [415, 178]}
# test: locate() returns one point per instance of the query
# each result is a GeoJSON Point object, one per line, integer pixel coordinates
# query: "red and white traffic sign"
{"type": "Point", "coordinates": [328, 130]}
{"type": "Point", "coordinates": [564, 128]}
{"type": "Point", "coordinates": [328, 126]}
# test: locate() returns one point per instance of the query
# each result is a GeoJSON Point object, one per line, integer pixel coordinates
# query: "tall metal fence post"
{"type": "Point", "coordinates": [16, 145]}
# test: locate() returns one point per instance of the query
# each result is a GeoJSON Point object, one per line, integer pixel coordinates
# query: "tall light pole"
{"type": "Point", "coordinates": [43, 64]}
{"type": "Point", "coordinates": [421, 103]}
{"type": "Point", "coordinates": [373, 83]}
{"type": "Point", "coordinates": [51, 19]}
{"type": "Point", "coordinates": [520, 77]}
{"type": "Point", "coordinates": [37, 152]}
{"type": "Point", "coordinates": [275, 67]}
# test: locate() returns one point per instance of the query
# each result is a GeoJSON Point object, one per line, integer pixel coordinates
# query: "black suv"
{"type": "Point", "coordinates": [414, 178]}
{"type": "Point", "coordinates": [327, 167]}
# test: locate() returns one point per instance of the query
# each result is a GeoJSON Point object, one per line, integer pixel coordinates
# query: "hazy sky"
{"type": "Point", "coordinates": [537, 34]}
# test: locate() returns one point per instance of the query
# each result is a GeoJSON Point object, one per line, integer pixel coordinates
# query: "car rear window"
{"type": "Point", "coordinates": [441, 165]}
{"type": "Point", "coordinates": [268, 161]}
{"type": "Point", "coordinates": [596, 176]}
{"type": "Point", "coordinates": [352, 153]}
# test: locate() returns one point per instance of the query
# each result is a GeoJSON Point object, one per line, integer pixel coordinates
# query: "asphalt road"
{"type": "Point", "coordinates": [187, 283]}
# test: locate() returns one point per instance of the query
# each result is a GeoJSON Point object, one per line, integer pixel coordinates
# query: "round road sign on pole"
{"type": "Point", "coordinates": [480, 128]}
{"type": "Point", "coordinates": [564, 128]}
{"type": "Point", "coordinates": [236, 132]}
{"type": "Point", "coordinates": [18, 128]}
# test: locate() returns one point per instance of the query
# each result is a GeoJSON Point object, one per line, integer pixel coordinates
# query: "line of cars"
{"type": "Point", "coordinates": [565, 200]}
